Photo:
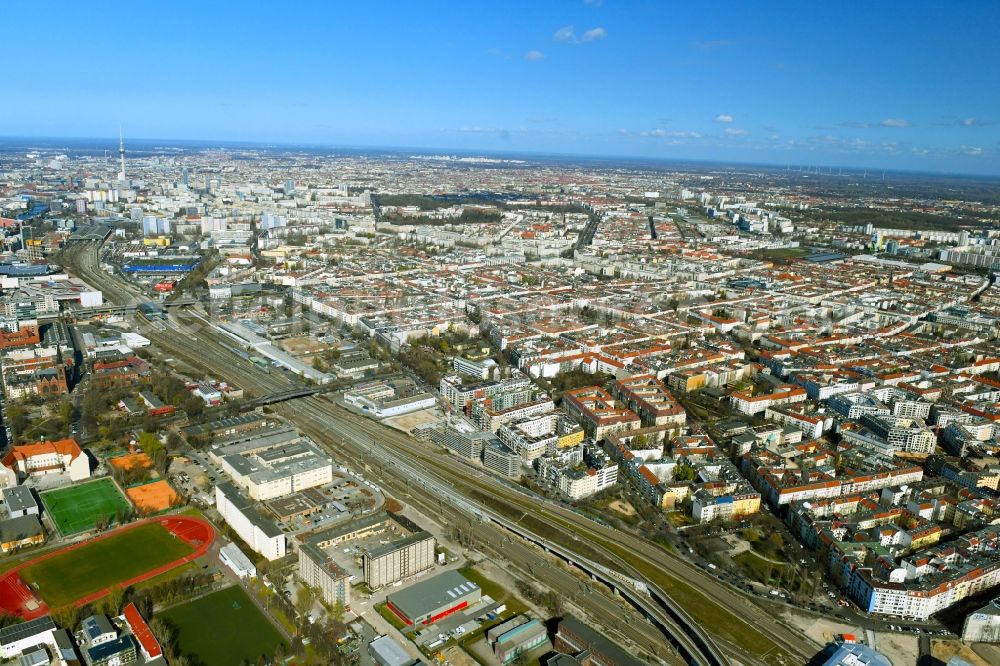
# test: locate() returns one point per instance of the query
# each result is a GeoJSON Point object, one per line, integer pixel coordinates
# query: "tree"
{"type": "Point", "coordinates": [684, 473]}
{"type": "Point", "coordinates": [161, 462]}
{"type": "Point", "coordinates": [554, 602]}
{"type": "Point", "coordinates": [304, 600]}
{"type": "Point", "coordinates": [66, 413]}
{"type": "Point", "coordinates": [114, 600]}
{"type": "Point", "coordinates": [193, 405]}
{"type": "Point", "coordinates": [174, 441]}
{"type": "Point", "coordinates": [167, 636]}
{"type": "Point", "coordinates": [150, 443]}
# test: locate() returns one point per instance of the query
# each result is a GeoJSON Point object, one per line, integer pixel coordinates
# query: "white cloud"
{"type": "Point", "coordinates": [974, 151]}
{"type": "Point", "coordinates": [565, 34]}
{"type": "Point", "coordinates": [623, 132]}
{"type": "Point", "coordinates": [723, 118]}
{"type": "Point", "coordinates": [736, 131]}
{"type": "Point", "coordinates": [534, 55]}
{"type": "Point", "coordinates": [969, 122]}
{"type": "Point", "coordinates": [673, 134]}
{"type": "Point", "coordinates": [568, 35]}
{"type": "Point", "coordinates": [895, 122]}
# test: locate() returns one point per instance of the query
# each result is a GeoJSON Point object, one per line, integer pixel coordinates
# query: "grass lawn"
{"type": "Point", "coordinates": [391, 617]}
{"type": "Point", "coordinates": [786, 252]}
{"type": "Point", "coordinates": [223, 629]}
{"type": "Point", "coordinates": [759, 569]}
{"type": "Point", "coordinates": [495, 590]}
{"type": "Point", "coordinates": [189, 568]}
{"type": "Point", "coordinates": [75, 509]}
{"type": "Point", "coordinates": [679, 518]}
{"type": "Point", "coordinates": [63, 579]}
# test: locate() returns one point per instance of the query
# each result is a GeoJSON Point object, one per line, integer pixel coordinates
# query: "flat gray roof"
{"type": "Point", "coordinates": [390, 653]}
{"type": "Point", "coordinates": [19, 498]}
{"type": "Point", "coordinates": [249, 509]}
{"type": "Point", "coordinates": [445, 589]}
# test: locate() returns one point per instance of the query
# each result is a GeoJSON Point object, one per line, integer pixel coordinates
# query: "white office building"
{"type": "Point", "coordinates": [260, 534]}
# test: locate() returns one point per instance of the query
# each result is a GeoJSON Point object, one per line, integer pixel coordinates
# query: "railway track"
{"type": "Point", "coordinates": [346, 434]}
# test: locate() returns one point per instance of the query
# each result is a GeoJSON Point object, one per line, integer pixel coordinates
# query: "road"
{"type": "Point", "coordinates": [762, 637]}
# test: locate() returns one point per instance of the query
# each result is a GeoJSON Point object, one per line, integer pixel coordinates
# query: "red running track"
{"type": "Point", "coordinates": [17, 597]}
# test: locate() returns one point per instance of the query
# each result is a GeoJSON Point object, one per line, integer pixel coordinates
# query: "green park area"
{"type": "Point", "coordinates": [238, 631]}
{"type": "Point", "coordinates": [103, 563]}
{"type": "Point", "coordinates": [85, 506]}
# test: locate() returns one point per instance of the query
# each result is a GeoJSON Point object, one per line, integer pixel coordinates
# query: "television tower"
{"type": "Point", "coordinates": [121, 154]}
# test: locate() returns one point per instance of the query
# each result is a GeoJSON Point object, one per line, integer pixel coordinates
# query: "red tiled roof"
{"type": "Point", "coordinates": [141, 631]}
{"type": "Point", "coordinates": [64, 447]}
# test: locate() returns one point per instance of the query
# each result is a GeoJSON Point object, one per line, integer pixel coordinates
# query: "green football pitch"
{"type": "Point", "coordinates": [76, 509]}
{"type": "Point", "coordinates": [238, 631]}
{"type": "Point", "coordinates": [97, 565]}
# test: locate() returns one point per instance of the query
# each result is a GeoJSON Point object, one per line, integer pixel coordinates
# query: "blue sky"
{"type": "Point", "coordinates": [909, 85]}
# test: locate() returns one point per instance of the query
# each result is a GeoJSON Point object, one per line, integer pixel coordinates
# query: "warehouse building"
{"type": "Point", "coordinates": [236, 559]}
{"type": "Point", "coordinates": [431, 600]}
{"type": "Point", "coordinates": [516, 637]}
{"type": "Point", "coordinates": [574, 637]}
{"type": "Point", "coordinates": [384, 651]}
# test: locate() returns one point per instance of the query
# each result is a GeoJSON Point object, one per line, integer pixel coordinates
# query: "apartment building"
{"type": "Point", "coordinates": [534, 436]}
{"type": "Point", "coordinates": [746, 402]}
{"type": "Point", "coordinates": [594, 408]}
{"type": "Point", "coordinates": [318, 570]}
{"type": "Point", "coordinates": [501, 460]}
{"type": "Point", "coordinates": [888, 435]}
{"type": "Point", "coordinates": [394, 561]}
{"type": "Point", "coordinates": [811, 423]}
{"type": "Point", "coordinates": [932, 579]}
{"type": "Point", "coordinates": [460, 395]}
{"type": "Point", "coordinates": [649, 398]}
{"type": "Point", "coordinates": [481, 369]}
{"type": "Point", "coordinates": [491, 413]}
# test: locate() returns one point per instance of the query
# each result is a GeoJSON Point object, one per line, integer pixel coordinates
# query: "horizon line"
{"type": "Point", "coordinates": [488, 152]}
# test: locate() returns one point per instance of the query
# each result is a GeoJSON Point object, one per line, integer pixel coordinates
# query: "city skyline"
{"type": "Point", "coordinates": [609, 79]}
